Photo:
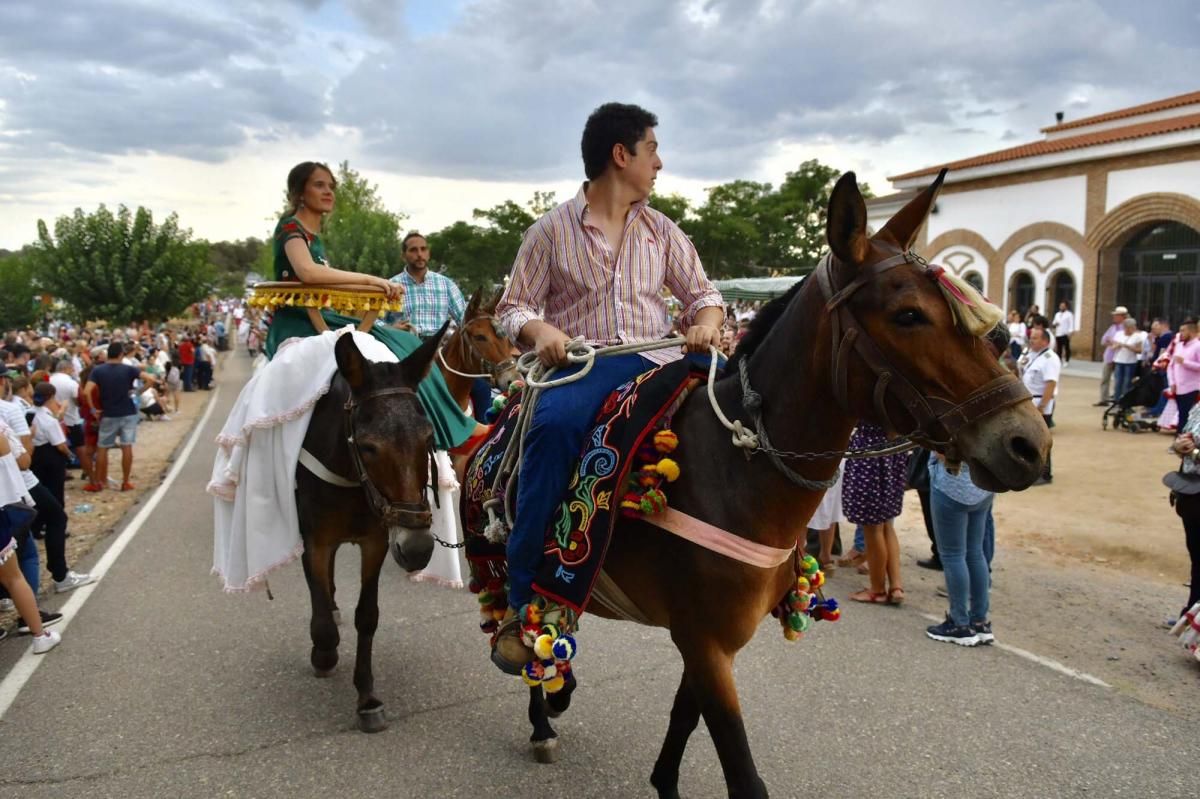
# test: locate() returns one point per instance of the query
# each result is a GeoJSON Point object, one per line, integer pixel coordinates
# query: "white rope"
{"type": "Point", "coordinates": [452, 370]}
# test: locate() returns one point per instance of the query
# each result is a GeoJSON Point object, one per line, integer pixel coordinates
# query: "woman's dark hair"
{"type": "Point", "coordinates": [43, 392]}
{"type": "Point", "coordinates": [298, 178]}
{"type": "Point", "coordinates": [609, 125]}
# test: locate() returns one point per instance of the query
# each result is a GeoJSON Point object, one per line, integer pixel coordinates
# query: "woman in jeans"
{"type": "Point", "coordinates": [960, 512]}
{"type": "Point", "coordinates": [1188, 505]}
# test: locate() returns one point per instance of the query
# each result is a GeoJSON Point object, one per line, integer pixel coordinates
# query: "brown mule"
{"type": "Point", "coordinates": [370, 432]}
{"type": "Point", "coordinates": [479, 348]}
{"type": "Point", "coordinates": [908, 365]}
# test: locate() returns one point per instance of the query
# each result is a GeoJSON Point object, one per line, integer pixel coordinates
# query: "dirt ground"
{"type": "Point", "coordinates": [1086, 571]}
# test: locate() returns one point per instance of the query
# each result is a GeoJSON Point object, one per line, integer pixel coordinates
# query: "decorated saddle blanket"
{"type": "Point", "coordinates": [621, 470]}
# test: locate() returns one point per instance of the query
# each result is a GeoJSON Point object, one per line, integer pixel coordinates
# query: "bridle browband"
{"type": "Point", "coordinates": [493, 370]}
{"type": "Point", "coordinates": [392, 514]}
{"type": "Point", "coordinates": [938, 420]}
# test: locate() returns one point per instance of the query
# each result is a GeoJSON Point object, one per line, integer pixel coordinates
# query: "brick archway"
{"type": "Point", "coordinates": [1117, 226]}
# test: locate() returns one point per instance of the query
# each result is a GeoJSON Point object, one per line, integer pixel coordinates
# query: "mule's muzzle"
{"type": "Point", "coordinates": [410, 515]}
{"type": "Point", "coordinates": [1007, 451]}
{"type": "Point", "coordinates": [412, 548]}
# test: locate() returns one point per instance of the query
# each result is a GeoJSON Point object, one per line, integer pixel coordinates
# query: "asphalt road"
{"type": "Point", "coordinates": [165, 687]}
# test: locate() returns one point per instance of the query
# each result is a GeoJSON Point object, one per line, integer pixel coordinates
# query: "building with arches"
{"type": "Point", "coordinates": [1100, 212]}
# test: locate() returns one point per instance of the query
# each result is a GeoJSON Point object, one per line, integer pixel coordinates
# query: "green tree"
{"type": "Point", "coordinates": [232, 261]}
{"type": "Point", "coordinates": [20, 301]}
{"type": "Point", "coordinates": [477, 255]}
{"type": "Point", "coordinates": [728, 229]}
{"type": "Point", "coordinates": [674, 206]}
{"type": "Point", "coordinates": [121, 267]}
{"type": "Point", "coordinates": [362, 234]}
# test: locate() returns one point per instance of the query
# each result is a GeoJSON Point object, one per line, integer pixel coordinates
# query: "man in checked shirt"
{"type": "Point", "coordinates": [429, 300]}
{"type": "Point", "coordinates": [594, 267]}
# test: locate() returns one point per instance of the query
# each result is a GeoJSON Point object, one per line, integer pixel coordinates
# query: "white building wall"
{"type": "Point", "coordinates": [1042, 258]}
{"type": "Point", "coordinates": [1125, 184]}
{"type": "Point", "coordinates": [960, 260]}
{"type": "Point", "coordinates": [997, 213]}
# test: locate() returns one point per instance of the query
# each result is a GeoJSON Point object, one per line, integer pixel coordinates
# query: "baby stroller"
{"type": "Point", "coordinates": [1130, 410]}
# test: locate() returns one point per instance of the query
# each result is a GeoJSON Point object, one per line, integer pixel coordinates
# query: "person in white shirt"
{"type": "Point", "coordinates": [1040, 375]}
{"type": "Point", "coordinates": [1127, 349]}
{"type": "Point", "coordinates": [1016, 334]}
{"type": "Point", "coordinates": [1064, 326]}
{"type": "Point", "coordinates": [67, 394]}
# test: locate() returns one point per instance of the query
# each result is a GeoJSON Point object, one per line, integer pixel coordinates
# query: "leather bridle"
{"type": "Point", "coordinates": [938, 420]}
{"type": "Point", "coordinates": [492, 370]}
{"type": "Point", "coordinates": [393, 514]}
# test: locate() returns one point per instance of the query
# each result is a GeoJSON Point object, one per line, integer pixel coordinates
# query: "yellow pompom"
{"type": "Point", "coordinates": [668, 469]}
{"type": "Point", "coordinates": [543, 647]}
{"type": "Point", "coordinates": [665, 441]}
{"type": "Point", "coordinates": [554, 685]}
{"type": "Point", "coordinates": [531, 682]}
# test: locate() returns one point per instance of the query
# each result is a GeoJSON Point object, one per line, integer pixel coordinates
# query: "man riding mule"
{"type": "Point", "coordinates": [593, 267]}
{"type": "Point", "coordinates": [876, 334]}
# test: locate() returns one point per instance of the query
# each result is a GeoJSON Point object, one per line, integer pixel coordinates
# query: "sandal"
{"type": "Point", "coordinates": [868, 596]}
{"type": "Point", "coordinates": [895, 596]}
{"type": "Point", "coordinates": [862, 568]}
{"type": "Point", "coordinates": [851, 558]}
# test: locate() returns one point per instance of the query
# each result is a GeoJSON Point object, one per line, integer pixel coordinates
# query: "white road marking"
{"type": "Point", "coordinates": [24, 668]}
{"type": "Point", "coordinates": [1054, 665]}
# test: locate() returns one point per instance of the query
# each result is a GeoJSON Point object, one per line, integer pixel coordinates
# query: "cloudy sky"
{"type": "Point", "coordinates": [201, 108]}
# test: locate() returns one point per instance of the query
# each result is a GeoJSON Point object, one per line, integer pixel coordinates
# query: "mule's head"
{"type": "Point", "coordinates": [934, 332]}
{"type": "Point", "coordinates": [393, 439]}
{"type": "Point", "coordinates": [485, 344]}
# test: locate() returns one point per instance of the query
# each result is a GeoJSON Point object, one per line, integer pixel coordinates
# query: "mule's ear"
{"type": "Point", "coordinates": [416, 366]}
{"type": "Point", "coordinates": [846, 228]}
{"type": "Point", "coordinates": [494, 301]}
{"type": "Point", "coordinates": [473, 306]}
{"type": "Point", "coordinates": [350, 361]}
{"type": "Point", "coordinates": [903, 227]}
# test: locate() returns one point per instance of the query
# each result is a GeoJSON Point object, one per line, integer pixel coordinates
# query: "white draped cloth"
{"type": "Point", "coordinates": [256, 522]}
{"type": "Point", "coordinates": [1188, 630]}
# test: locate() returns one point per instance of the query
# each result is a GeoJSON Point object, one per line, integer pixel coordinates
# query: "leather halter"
{"type": "Point", "coordinates": [393, 514]}
{"type": "Point", "coordinates": [468, 349]}
{"type": "Point", "coordinates": [938, 420]}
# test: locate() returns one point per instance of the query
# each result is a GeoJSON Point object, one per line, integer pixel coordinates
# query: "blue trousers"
{"type": "Point", "coordinates": [481, 398]}
{"type": "Point", "coordinates": [1125, 373]}
{"type": "Point", "coordinates": [27, 561]}
{"type": "Point", "coordinates": [562, 419]}
{"type": "Point", "coordinates": [961, 530]}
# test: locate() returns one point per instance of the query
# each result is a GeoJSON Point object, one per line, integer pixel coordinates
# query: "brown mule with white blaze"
{"type": "Point", "coordinates": [814, 386]}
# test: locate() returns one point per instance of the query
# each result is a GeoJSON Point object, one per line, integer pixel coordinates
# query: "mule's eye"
{"type": "Point", "coordinates": [909, 318]}
{"type": "Point", "coordinates": [480, 338]}
{"type": "Point", "coordinates": [368, 449]}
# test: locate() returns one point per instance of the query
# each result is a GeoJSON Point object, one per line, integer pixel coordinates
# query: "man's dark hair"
{"type": "Point", "coordinates": [412, 234]}
{"type": "Point", "coordinates": [115, 351]}
{"type": "Point", "coordinates": [1037, 320]}
{"type": "Point", "coordinates": [1161, 321]}
{"type": "Point", "coordinates": [609, 125]}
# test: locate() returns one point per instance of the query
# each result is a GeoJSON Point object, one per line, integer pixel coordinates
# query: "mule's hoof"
{"type": "Point", "coordinates": [372, 719]}
{"type": "Point", "coordinates": [546, 751]}
{"type": "Point", "coordinates": [337, 617]}
{"type": "Point", "coordinates": [323, 674]}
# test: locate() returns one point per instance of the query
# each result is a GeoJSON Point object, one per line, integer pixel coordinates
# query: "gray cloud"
{"type": "Point", "coordinates": [504, 92]}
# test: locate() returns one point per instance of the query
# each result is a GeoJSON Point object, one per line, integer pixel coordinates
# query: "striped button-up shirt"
{"type": "Point", "coordinates": [568, 276]}
{"type": "Point", "coordinates": [428, 304]}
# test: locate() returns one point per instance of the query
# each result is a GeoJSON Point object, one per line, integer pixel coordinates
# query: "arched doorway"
{"type": "Point", "coordinates": [1159, 273]}
{"type": "Point", "coordinates": [1060, 288]}
{"type": "Point", "coordinates": [1020, 292]}
{"type": "Point", "coordinates": [975, 279]}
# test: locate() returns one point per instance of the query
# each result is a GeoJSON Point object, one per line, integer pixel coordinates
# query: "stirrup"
{"type": "Point", "coordinates": [510, 631]}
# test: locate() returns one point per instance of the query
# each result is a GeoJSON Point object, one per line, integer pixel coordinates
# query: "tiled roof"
{"type": "Point", "coordinates": [1046, 147]}
{"type": "Point", "coordinates": [1145, 108]}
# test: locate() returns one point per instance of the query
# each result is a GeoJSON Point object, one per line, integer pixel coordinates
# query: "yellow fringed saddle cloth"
{"type": "Point", "coordinates": [348, 299]}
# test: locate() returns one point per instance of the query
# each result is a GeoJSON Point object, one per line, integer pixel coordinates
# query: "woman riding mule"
{"type": "Point", "coordinates": [873, 334]}
{"type": "Point", "coordinates": [331, 441]}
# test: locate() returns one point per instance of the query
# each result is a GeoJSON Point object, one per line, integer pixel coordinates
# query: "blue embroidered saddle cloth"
{"type": "Point", "coordinates": [581, 529]}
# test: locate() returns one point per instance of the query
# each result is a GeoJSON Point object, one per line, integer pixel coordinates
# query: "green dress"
{"type": "Point", "coordinates": [451, 426]}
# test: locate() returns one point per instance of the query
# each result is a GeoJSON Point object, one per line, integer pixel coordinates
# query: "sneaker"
{"type": "Point", "coordinates": [93, 487]}
{"type": "Point", "coordinates": [45, 642]}
{"type": "Point", "coordinates": [984, 630]}
{"type": "Point", "coordinates": [930, 563]}
{"type": "Point", "coordinates": [71, 581]}
{"type": "Point", "coordinates": [952, 633]}
{"type": "Point", "coordinates": [48, 620]}
{"type": "Point", "coordinates": [7, 606]}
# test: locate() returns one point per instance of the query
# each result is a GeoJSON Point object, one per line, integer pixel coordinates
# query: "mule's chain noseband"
{"type": "Point", "coordinates": [390, 512]}
{"type": "Point", "coordinates": [938, 420]}
{"type": "Point", "coordinates": [468, 347]}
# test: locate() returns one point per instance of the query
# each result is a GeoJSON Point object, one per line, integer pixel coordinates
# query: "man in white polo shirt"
{"type": "Point", "coordinates": [1040, 375]}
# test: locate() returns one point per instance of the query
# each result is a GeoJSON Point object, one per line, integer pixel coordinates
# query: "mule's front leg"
{"type": "Point", "coordinates": [710, 676]}
{"type": "Point", "coordinates": [366, 619]}
{"type": "Point", "coordinates": [317, 558]}
{"type": "Point", "coordinates": [685, 715]}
